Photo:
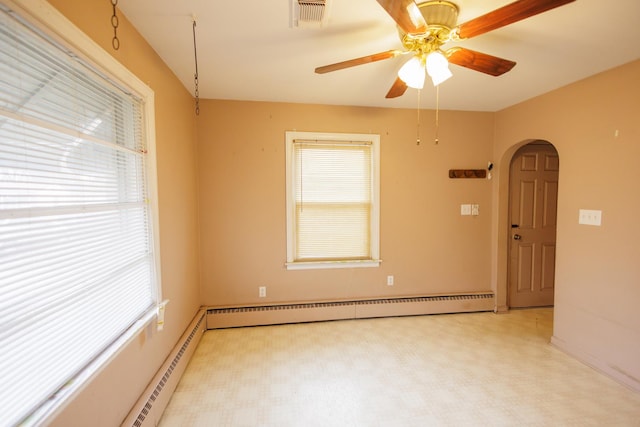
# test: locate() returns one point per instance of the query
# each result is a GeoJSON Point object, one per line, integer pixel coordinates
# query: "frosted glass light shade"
{"type": "Point", "coordinates": [438, 68]}
{"type": "Point", "coordinates": [413, 73]}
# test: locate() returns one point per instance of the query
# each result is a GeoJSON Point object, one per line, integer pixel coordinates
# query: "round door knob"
{"type": "Point", "coordinates": [517, 237]}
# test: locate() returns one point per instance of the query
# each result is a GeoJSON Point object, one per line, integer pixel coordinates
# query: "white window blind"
{"type": "Point", "coordinates": [333, 198]}
{"type": "Point", "coordinates": [77, 265]}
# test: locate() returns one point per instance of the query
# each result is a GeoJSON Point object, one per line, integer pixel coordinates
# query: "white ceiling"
{"type": "Point", "coordinates": [249, 50]}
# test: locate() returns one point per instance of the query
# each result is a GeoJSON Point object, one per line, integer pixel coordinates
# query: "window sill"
{"type": "Point", "coordinates": [311, 265]}
{"type": "Point", "coordinates": [46, 412]}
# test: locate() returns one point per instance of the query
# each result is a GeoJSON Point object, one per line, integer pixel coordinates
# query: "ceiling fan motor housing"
{"type": "Point", "coordinates": [439, 13]}
{"type": "Point", "coordinates": [441, 18]}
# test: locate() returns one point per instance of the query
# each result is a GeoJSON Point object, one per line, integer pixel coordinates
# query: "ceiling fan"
{"type": "Point", "coordinates": [426, 26]}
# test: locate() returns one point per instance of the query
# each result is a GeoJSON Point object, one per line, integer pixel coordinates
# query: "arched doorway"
{"type": "Point", "coordinates": [532, 212]}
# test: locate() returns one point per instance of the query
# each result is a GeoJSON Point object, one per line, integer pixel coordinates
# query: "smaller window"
{"type": "Point", "coordinates": [333, 200]}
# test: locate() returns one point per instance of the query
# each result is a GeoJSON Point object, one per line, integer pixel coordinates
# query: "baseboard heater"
{"type": "Point", "coordinates": [152, 403]}
{"type": "Point", "coordinates": [229, 317]}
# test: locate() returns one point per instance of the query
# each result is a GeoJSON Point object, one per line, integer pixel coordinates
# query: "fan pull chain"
{"type": "Point", "coordinates": [418, 127]}
{"type": "Point", "coordinates": [115, 22]}
{"type": "Point", "coordinates": [437, 112]}
{"type": "Point", "coordinates": [195, 76]}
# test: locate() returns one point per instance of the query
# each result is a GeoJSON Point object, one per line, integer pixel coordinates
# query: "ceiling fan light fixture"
{"type": "Point", "coordinates": [413, 72]}
{"type": "Point", "coordinates": [438, 67]}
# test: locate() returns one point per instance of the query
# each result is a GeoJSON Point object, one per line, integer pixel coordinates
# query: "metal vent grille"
{"type": "Point", "coordinates": [276, 314]}
{"type": "Point", "coordinates": [309, 13]}
{"type": "Point", "coordinates": [228, 310]}
{"type": "Point", "coordinates": [311, 10]}
{"type": "Point", "coordinates": [139, 422]}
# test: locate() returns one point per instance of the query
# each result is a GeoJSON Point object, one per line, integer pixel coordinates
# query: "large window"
{"type": "Point", "coordinates": [332, 200]}
{"type": "Point", "coordinates": [78, 273]}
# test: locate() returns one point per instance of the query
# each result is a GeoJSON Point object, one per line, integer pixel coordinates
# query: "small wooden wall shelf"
{"type": "Point", "coordinates": [467, 173]}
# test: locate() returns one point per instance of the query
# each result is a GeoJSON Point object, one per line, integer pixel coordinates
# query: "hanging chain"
{"type": "Point", "coordinates": [437, 112]}
{"type": "Point", "coordinates": [195, 76]}
{"type": "Point", "coordinates": [418, 125]}
{"type": "Point", "coordinates": [115, 42]}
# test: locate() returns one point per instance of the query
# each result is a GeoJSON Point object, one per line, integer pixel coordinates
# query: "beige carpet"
{"type": "Point", "coordinates": [479, 369]}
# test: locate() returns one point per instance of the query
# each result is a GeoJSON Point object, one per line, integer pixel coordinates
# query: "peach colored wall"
{"type": "Point", "coordinates": [597, 268]}
{"type": "Point", "coordinates": [425, 242]}
{"type": "Point", "coordinates": [108, 399]}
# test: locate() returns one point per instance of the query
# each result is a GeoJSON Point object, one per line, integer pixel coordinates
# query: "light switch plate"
{"type": "Point", "coordinates": [475, 210]}
{"type": "Point", "coordinates": [465, 209]}
{"type": "Point", "coordinates": [590, 217]}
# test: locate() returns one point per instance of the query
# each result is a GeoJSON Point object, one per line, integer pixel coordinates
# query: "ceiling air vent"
{"type": "Point", "coordinates": [309, 13]}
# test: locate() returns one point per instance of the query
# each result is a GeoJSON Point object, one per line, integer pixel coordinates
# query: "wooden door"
{"type": "Point", "coordinates": [533, 202]}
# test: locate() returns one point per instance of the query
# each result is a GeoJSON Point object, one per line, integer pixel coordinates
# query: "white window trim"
{"type": "Point", "coordinates": [290, 137]}
{"type": "Point", "coordinates": [49, 20]}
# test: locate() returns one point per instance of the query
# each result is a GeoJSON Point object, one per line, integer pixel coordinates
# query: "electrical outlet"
{"type": "Point", "coordinates": [475, 210]}
{"type": "Point", "coordinates": [262, 291]}
{"type": "Point", "coordinates": [389, 280]}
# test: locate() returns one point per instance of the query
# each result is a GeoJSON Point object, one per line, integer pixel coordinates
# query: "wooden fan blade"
{"type": "Point", "coordinates": [406, 14]}
{"type": "Point", "coordinates": [479, 61]}
{"type": "Point", "coordinates": [506, 15]}
{"type": "Point", "coordinates": [398, 88]}
{"type": "Point", "coordinates": [358, 61]}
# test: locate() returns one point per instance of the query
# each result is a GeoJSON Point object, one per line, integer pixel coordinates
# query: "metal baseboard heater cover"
{"type": "Point", "coordinates": [152, 403]}
{"type": "Point", "coordinates": [229, 317]}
